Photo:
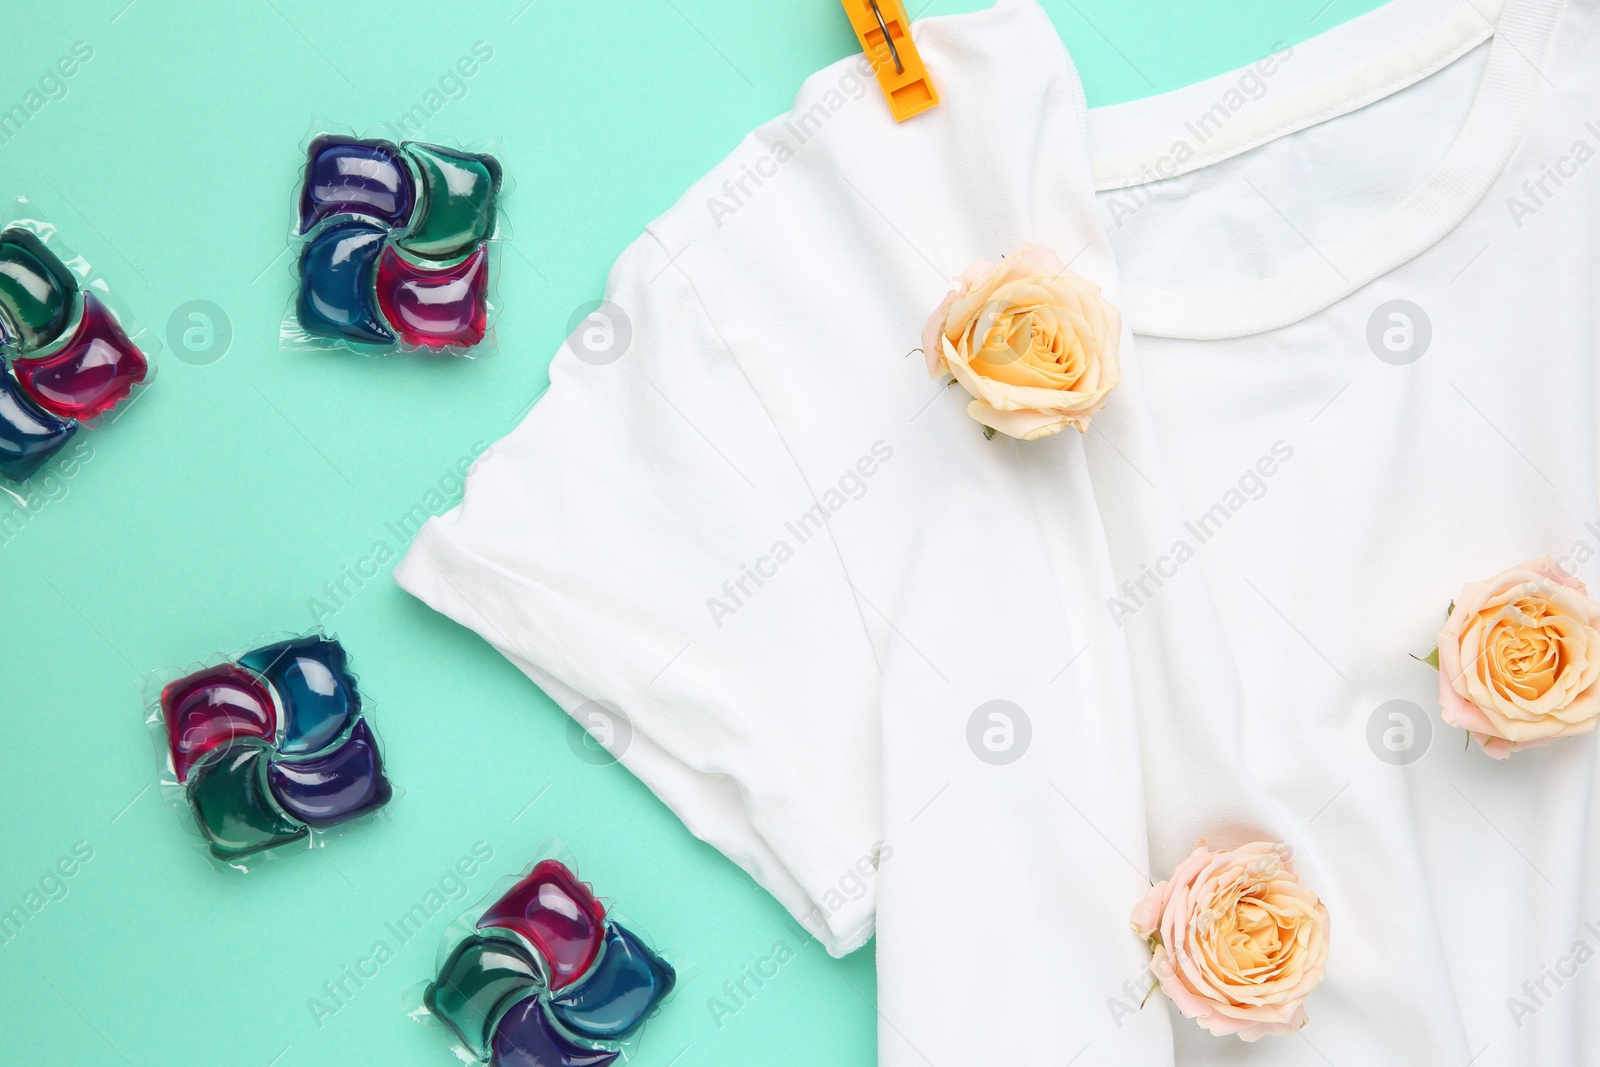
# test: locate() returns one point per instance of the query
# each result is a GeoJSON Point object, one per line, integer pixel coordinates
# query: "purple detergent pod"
{"type": "Point", "coordinates": [541, 974]}
{"type": "Point", "coordinates": [397, 246]}
{"type": "Point", "coordinates": [347, 176]}
{"type": "Point", "coordinates": [267, 748]}
{"type": "Point", "coordinates": [69, 353]}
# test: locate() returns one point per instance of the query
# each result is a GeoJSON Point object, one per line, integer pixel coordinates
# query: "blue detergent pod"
{"type": "Point", "coordinates": [614, 998]}
{"type": "Point", "coordinates": [311, 676]}
{"type": "Point", "coordinates": [29, 436]}
{"type": "Point", "coordinates": [338, 273]}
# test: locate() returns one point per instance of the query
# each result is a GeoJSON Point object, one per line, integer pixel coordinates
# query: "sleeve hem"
{"type": "Point", "coordinates": [764, 826]}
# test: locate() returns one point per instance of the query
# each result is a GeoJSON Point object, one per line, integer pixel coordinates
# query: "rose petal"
{"type": "Point", "coordinates": [933, 337]}
{"type": "Point", "coordinates": [1023, 425]}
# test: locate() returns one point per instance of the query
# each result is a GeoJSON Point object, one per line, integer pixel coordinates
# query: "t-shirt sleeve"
{"type": "Point", "coordinates": [627, 547]}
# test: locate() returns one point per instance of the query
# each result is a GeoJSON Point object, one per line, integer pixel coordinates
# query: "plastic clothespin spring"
{"type": "Point", "coordinates": [883, 30]}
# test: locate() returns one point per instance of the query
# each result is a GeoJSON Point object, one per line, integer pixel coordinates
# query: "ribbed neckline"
{"type": "Point", "coordinates": [1367, 45]}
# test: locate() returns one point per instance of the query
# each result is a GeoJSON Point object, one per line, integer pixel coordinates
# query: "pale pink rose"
{"type": "Point", "coordinates": [1519, 657]}
{"type": "Point", "coordinates": [1034, 343]}
{"type": "Point", "coordinates": [1237, 942]}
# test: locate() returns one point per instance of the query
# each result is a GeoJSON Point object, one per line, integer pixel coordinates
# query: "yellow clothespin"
{"type": "Point", "coordinates": [885, 35]}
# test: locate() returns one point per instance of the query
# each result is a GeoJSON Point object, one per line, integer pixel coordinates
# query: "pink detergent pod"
{"type": "Point", "coordinates": [91, 374]}
{"type": "Point", "coordinates": [66, 356]}
{"type": "Point", "coordinates": [396, 246]}
{"type": "Point", "coordinates": [268, 748]}
{"type": "Point", "coordinates": [558, 914]}
{"type": "Point", "coordinates": [543, 976]}
{"type": "Point", "coordinates": [435, 307]}
{"type": "Point", "coordinates": [215, 707]}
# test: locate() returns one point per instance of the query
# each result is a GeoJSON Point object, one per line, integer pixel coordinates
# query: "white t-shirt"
{"type": "Point", "coordinates": [755, 529]}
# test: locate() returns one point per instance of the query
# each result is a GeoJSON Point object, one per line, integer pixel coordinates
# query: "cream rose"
{"type": "Point", "coordinates": [1238, 943]}
{"type": "Point", "coordinates": [1519, 657]}
{"type": "Point", "coordinates": [1032, 342]}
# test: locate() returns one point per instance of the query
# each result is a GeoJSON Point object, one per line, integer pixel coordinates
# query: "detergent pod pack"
{"type": "Point", "coordinates": [267, 750]}
{"type": "Point", "coordinates": [396, 245]}
{"type": "Point", "coordinates": [69, 352]}
{"type": "Point", "coordinates": [541, 973]}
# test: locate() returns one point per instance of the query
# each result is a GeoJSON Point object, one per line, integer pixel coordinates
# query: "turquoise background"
{"type": "Point", "coordinates": [230, 493]}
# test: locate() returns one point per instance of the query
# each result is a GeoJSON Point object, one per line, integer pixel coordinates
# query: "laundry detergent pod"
{"type": "Point", "coordinates": [92, 373]}
{"type": "Point", "coordinates": [36, 290]}
{"type": "Point", "coordinates": [615, 996]}
{"type": "Point", "coordinates": [435, 306]}
{"type": "Point", "coordinates": [338, 271]}
{"type": "Point", "coordinates": [29, 435]}
{"type": "Point", "coordinates": [482, 977]}
{"type": "Point", "coordinates": [459, 190]}
{"type": "Point", "coordinates": [541, 974]}
{"type": "Point", "coordinates": [349, 176]}
{"type": "Point", "coordinates": [69, 354]}
{"type": "Point", "coordinates": [557, 914]}
{"type": "Point", "coordinates": [396, 246]}
{"type": "Point", "coordinates": [268, 748]}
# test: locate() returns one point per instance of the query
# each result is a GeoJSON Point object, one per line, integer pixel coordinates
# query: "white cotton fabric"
{"type": "Point", "coordinates": [801, 573]}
